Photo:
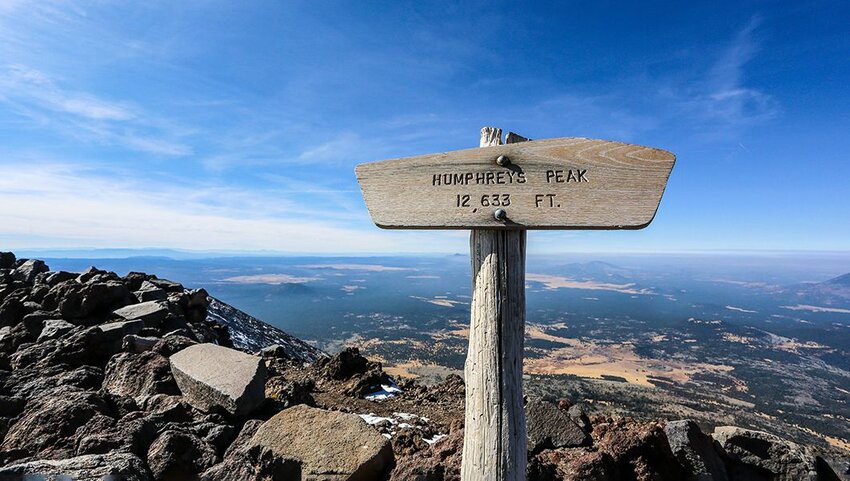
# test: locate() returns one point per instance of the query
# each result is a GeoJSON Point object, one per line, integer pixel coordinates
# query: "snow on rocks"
{"type": "Point", "coordinates": [386, 391]}
{"type": "Point", "coordinates": [399, 422]}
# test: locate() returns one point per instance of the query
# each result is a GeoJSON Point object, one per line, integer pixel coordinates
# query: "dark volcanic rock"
{"type": "Point", "coordinates": [695, 451]}
{"type": "Point", "coordinates": [30, 383]}
{"type": "Point", "coordinates": [755, 451]}
{"type": "Point", "coordinates": [139, 375]}
{"type": "Point", "coordinates": [243, 463]}
{"type": "Point", "coordinates": [550, 427]}
{"type": "Point", "coordinates": [27, 271]}
{"type": "Point", "coordinates": [178, 455]}
{"type": "Point", "coordinates": [7, 260]}
{"type": "Point", "coordinates": [172, 344]}
{"type": "Point", "coordinates": [639, 449]}
{"type": "Point", "coordinates": [54, 328]}
{"type": "Point", "coordinates": [78, 347]}
{"type": "Point", "coordinates": [48, 424]}
{"type": "Point", "coordinates": [75, 300]}
{"type": "Point", "coordinates": [11, 311]}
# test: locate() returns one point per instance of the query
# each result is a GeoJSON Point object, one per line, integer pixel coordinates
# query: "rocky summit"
{"type": "Point", "coordinates": [138, 378]}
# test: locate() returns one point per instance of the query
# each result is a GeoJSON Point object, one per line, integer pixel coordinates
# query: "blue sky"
{"type": "Point", "coordinates": [237, 125]}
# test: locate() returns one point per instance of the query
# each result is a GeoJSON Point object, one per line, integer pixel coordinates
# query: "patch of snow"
{"type": "Point", "coordinates": [387, 391]}
{"type": "Point", "coordinates": [437, 437]}
{"type": "Point", "coordinates": [373, 419]}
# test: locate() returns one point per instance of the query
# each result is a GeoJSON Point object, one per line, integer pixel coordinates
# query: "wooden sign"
{"type": "Point", "coordinates": [499, 191]}
{"type": "Point", "coordinates": [565, 183]}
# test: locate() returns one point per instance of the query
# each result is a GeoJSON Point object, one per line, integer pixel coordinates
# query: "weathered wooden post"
{"type": "Point", "coordinates": [500, 191]}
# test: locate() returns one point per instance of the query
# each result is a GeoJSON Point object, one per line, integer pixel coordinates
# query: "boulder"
{"type": "Point", "coordinates": [30, 383]}
{"type": "Point", "coordinates": [34, 321]}
{"type": "Point", "coordinates": [179, 455]}
{"type": "Point", "coordinates": [171, 344]}
{"type": "Point", "coordinates": [47, 426]}
{"type": "Point", "coordinates": [138, 375]}
{"type": "Point", "coordinates": [11, 311]}
{"type": "Point", "coordinates": [578, 413]}
{"type": "Point", "coordinates": [152, 313]}
{"type": "Point", "coordinates": [695, 451]}
{"type": "Point", "coordinates": [165, 284]}
{"type": "Point", "coordinates": [75, 300]}
{"type": "Point", "coordinates": [111, 466]}
{"type": "Point", "coordinates": [54, 328]}
{"type": "Point", "coordinates": [212, 377]}
{"type": "Point", "coordinates": [327, 444]}
{"type": "Point", "coordinates": [114, 332]}
{"type": "Point", "coordinates": [138, 344]}
{"type": "Point", "coordinates": [7, 260]}
{"type": "Point", "coordinates": [783, 460]}
{"type": "Point", "coordinates": [639, 449]}
{"type": "Point", "coordinates": [12, 337]}
{"type": "Point", "coordinates": [241, 464]}
{"type": "Point", "coordinates": [78, 347]}
{"type": "Point", "coordinates": [550, 427]}
{"type": "Point", "coordinates": [27, 271]}
{"type": "Point", "coordinates": [149, 292]}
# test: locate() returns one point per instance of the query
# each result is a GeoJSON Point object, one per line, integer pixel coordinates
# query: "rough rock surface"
{"type": "Point", "coordinates": [180, 455]}
{"type": "Point", "coordinates": [151, 313]}
{"type": "Point", "coordinates": [327, 445]}
{"type": "Point", "coordinates": [695, 451]}
{"type": "Point", "coordinates": [550, 427]}
{"type": "Point", "coordinates": [139, 375]}
{"type": "Point", "coordinates": [112, 466]}
{"type": "Point", "coordinates": [756, 453]}
{"type": "Point", "coordinates": [214, 377]}
{"type": "Point", "coordinates": [99, 399]}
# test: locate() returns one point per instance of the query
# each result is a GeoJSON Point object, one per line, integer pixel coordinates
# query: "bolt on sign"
{"type": "Point", "coordinates": [498, 192]}
{"type": "Point", "coordinates": [566, 183]}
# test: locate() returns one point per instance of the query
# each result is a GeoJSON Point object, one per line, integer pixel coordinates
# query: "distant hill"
{"type": "Point", "coordinates": [251, 334]}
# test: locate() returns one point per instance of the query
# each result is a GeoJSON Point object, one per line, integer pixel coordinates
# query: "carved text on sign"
{"type": "Point", "coordinates": [567, 183]}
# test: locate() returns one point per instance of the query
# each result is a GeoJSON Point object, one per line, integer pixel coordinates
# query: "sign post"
{"type": "Point", "coordinates": [500, 191]}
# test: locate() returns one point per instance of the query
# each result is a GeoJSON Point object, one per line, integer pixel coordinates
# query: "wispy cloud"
{"type": "Point", "coordinates": [723, 97]}
{"type": "Point", "coordinates": [34, 95]}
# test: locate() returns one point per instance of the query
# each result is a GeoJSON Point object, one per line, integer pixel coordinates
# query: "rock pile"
{"type": "Point", "coordinates": [127, 377]}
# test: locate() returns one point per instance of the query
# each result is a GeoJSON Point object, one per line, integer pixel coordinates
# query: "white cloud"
{"type": "Point", "coordinates": [53, 205]}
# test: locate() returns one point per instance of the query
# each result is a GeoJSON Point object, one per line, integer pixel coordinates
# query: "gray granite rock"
{"type": "Point", "coordinates": [328, 445]}
{"type": "Point", "coordinates": [213, 377]}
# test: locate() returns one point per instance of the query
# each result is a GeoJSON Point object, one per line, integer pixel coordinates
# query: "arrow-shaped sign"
{"type": "Point", "coordinates": [565, 183]}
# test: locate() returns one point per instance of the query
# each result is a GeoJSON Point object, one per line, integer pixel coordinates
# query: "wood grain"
{"type": "Point", "coordinates": [494, 447]}
{"type": "Point", "coordinates": [620, 187]}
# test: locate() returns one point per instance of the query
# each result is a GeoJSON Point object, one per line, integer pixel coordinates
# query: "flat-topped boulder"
{"type": "Point", "coordinates": [213, 377]}
{"type": "Point", "coordinates": [329, 445]}
{"type": "Point", "coordinates": [152, 313]}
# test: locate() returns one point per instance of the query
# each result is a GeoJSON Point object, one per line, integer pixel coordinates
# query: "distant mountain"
{"type": "Point", "coordinates": [834, 292]}
{"type": "Point", "coordinates": [251, 334]}
{"type": "Point", "coordinates": [840, 281]}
